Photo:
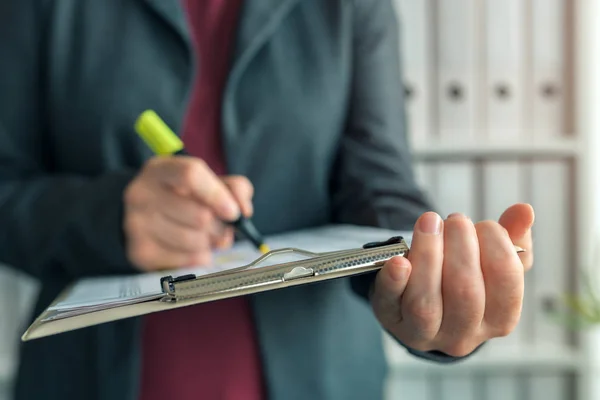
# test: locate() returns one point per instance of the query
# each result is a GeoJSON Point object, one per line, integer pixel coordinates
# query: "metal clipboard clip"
{"type": "Point", "coordinates": [297, 269]}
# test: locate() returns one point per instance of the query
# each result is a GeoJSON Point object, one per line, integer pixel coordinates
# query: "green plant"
{"type": "Point", "coordinates": [580, 310]}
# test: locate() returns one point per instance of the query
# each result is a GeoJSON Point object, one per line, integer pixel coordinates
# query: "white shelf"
{"type": "Point", "coordinates": [499, 358]}
{"type": "Point", "coordinates": [460, 149]}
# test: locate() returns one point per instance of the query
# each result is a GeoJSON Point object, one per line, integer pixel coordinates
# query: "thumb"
{"type": "Point", "coordinates": [518, 220]}
{"type": "Point", "coordinates": [390, 284]}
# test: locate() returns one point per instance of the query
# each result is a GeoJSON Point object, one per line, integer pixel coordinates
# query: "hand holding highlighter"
{"type": "Point", "coordinates": [163, 141]}
{"type": "Point", "coordinates": [177, 211]}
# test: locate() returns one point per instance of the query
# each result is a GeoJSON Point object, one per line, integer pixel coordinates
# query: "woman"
{"type": "Point", "coordinates": [295, 108]}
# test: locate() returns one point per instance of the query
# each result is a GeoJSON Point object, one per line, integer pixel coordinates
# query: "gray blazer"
{"type": "Point", "coordinates": [314, 83]}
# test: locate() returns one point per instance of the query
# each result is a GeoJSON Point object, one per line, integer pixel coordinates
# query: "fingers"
{"type": "Point", "coordinates": [151, 244]}
{"type": "Point", "coordinates": [422, 302]}
{"type": "Point", "coordinates": [174, 212]}
{"type": "Point", "coordinates": [518, 220]}
{"type": "Point", "coordinates": [184, 211]}
{"type": "Point", "coordinates": [503, 278]}
{"type": "Point", "coordinates": [187, 215]}
{"type": "Point", "coordinates": [243, 191]}
{"type": "Point", "coordinates": [390, 284]}
{"type": "Point", "coordinates": [463, 290]}
{"type": "Point", "coordinates": [190, 176]}
{"type": "Point", "coordinates": [465, 284]}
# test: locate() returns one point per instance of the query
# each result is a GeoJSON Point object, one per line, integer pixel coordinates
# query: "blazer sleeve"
{"type": "Point", "coordinates": [374, 183]}
{"type": "Point", "coordinates": [51, 223]}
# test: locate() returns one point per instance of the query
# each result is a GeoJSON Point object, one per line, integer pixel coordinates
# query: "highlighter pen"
{"type": "Point", "coordinates": [163, 141]}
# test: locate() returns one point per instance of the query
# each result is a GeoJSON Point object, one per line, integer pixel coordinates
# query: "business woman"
{"type": "Point", "coordinates": [294, 115]}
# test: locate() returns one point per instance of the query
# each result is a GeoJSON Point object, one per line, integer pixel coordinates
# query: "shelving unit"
{"type": "Point", "coordinates": [495, 359]}
{"type": "Point", "coordinates": [492, 161]}
{"type": "Point", "coordinates": [469, 149]}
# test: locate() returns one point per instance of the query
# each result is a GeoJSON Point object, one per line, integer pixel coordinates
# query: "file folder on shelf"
{"type": "Point", "coordinates": [457, 61]}
{"type": "Point", "coordinates": [550, 68]}
{"type": "Point", "coordinates": [505, 69]}
{"type": "Point", "coordinates": [327, 252]}
{"type": "Point", "coordinates": [417, 57]}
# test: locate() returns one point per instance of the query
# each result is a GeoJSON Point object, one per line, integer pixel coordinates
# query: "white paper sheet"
{"type": "Point", "coordinates": [109, 291]}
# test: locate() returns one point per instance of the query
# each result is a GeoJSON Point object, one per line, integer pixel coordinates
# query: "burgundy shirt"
{"type": "Point", "coordinates": [207, 351]}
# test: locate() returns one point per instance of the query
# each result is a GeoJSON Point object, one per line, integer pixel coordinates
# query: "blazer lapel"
{"type": "Point", "coordinates": [258, 21]}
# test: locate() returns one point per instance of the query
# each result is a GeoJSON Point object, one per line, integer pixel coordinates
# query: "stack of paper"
{"type": "Point", "coordinates": [94, 294]}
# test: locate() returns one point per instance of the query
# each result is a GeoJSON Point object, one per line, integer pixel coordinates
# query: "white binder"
{"type": "Point", "coordinates": [503, 186]}
{"type": "Point", "coordinates": [499, 386]}
{"type": "Point", "coordinates": [458, 67]}
{"type": "Point", "coordinates": [425, 175]}
{"type": "Point", "coordinates": [462, 384]}
{"type": "Point", "coordinates": [409, 385]}
{"type": "Point", "coordinates": [548, 67]}
{"type": "Point", "coordinates": [417, 65]}
{"type": "Point", "coordinates": [504, 72]}
{"type": "Point", "coordinates": [550, 183]}
{"type": "Point", "coordinates": [456, 189]}
{"type": "Point", "coordinates": [553, 385]}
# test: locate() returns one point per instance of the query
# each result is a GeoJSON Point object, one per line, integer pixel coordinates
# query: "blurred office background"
{"type": "Point", "coordinates": [501, 99]}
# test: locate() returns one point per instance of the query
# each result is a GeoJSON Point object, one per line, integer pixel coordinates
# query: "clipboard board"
{"type": "Point", "coordinates": [190, 289]}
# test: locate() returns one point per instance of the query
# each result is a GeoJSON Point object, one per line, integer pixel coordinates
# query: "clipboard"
{"type": "Point", "coordinates": [190, 289]}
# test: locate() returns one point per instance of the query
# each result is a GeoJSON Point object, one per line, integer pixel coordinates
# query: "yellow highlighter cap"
{"type": "Point", "coordinates": [157, 135]}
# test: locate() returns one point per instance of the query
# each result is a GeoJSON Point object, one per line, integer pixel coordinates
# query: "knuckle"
{"type": "Point", "coordinates": [460, 223]}
{"type": "Point", "coordinates": [142, 253]}
{"type": "Point", "coordinates": [504, 330]}
{"type": "Point", "coordinates": [153, 163]}
{"type": "Point", "coordinates": [507, 272]}
{"type": "Point", "coordinates": [423, 310]}
{"type": "Point", "coordinates": [203, 217]}
{"type": "Point", "coordinates": [488, 224]}
{"type": "Point", "coordinates": [242, 183]}
{"type": "Point", "coordinates": [465, 223]}
{"type": "Point", "coordinates": [418, 345]}
{"type": "Point", "coordinates": [506, 325]}
{"type": "Point", "coordinates": [133, 193]}
{"type": "Point", "coordinates": [468, 293]}
{"type": "Point", "coordinates": [423, 255]}
{"type": "Point", "coordinates": [424, 314]}
{"type": "Point", "coordinates": [133, 224]}
{"type": "Point", "coordinates": [189, 171]}
{"type": "Point", "coordinates": [202, 258]}
{"type": "Point", "coordinates": [458, 348]}
{"type": "Point", "coordinates": [189, 239]}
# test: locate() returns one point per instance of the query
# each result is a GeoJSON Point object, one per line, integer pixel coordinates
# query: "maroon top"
{"type": "Point", "coordinates": [207, 351]}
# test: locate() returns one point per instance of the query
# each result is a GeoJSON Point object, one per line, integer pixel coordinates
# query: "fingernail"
{"type": "Point", "coordinates": [398, 271]}
{"type": "Point", "coordinates": [456, 215]}
{"type": "Point", "coordinates": [430, 223]}
{"type": "Point", "coordinates": [230, 210]}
